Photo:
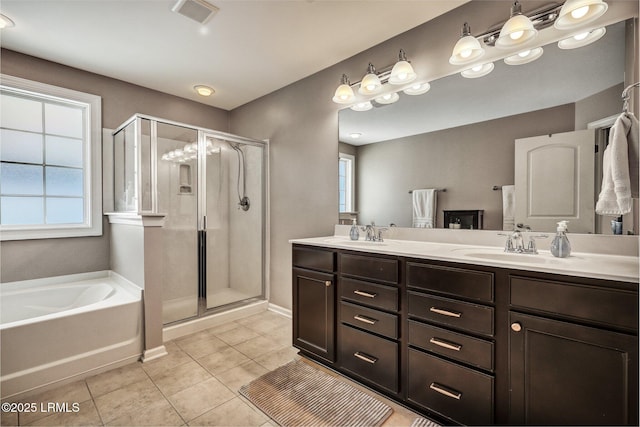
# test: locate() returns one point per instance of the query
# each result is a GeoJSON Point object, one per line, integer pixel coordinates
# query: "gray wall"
{"type": "Point", "coordinates": [30, 259]}
{"type": "Point", "coordinates": [468, 161]}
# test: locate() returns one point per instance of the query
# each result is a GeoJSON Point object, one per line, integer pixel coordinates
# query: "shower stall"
{"type": "Point", "coordinates": [210, 187]}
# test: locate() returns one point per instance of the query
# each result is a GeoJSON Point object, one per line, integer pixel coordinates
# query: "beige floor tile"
{"type": "Point", "coordinates": [8, 419]}
{"type": "Point", "coordinates": [258, 346]}
{"type": "Point", "coordinates": [277, 358]}
{"type": "Point", "coordinates": [76, 392]}
{"type": "Point", "coordinates": [399, 419]}
{"type": "Point", "coordinates": [115, 379]}
{"type": "Point", "coordinates": [222, 327]}
{"type": "Point", "coordinates": [236, 377]}
{"type": "Point", "coordinates": [200, 398]}
{"type": "Point", "coordinates": [237, 335]}
{"type": "Point", "coordinates": [266, 323]}
{"type": "Point", "coordinates": [159, 413]}
{"type": "Point", "coordinates": [128, 399]}
{"type": "Point", "coordinates": [225, 359]}
{"type": "Point", "coordinates": [182, 376]}
{"type": "Point", "coordinates": [87, 415]}
{"type": "Point", "coordinates": [176, 357]}
{"type": "Point", "coordinates": [232, 413]}
{"type": "Point", "coordinates": [200, 344]}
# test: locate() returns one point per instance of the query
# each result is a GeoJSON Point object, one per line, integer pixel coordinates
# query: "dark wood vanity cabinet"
{"type": "Point", "coordinates": [573, 353]}
{"type": "Point", "coordinates": [451, 345]}
{"type": "Point", "coordinates": [472, 345]}
{"type": "Point", "coordinates": [314, 302]}
{"type": "Point", "coordinates": [369, 321]}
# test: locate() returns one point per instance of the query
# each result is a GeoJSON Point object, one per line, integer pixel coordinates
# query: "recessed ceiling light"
{"type": "Point", "coordinates": [6, 22]}
{"type": "Point", "coordinates": [203, 90]}
{"type": "Point", "coordinates": [355, 135]}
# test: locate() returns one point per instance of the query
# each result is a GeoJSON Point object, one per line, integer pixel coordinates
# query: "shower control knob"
{"type": "Point", "coordinates": [327, 283]}
{"type": "Point", "coordinates": [516, 327]}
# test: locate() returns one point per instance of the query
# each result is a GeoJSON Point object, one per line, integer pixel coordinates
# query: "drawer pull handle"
{"type": "Point", "coordinates": [445, 344]}
{"type": "Point", "coordinates": [327, 283]}
{"type": "Point", "coordinates": [365, 357]}
{"type": "Point", "coordinates": [364, 294]}
{"type": "Point", "coordinates": [365, 319]}
{"type": "Point", "coordinates": [446, 391]}
{"type": "Point", "coordinates": [445, 312]}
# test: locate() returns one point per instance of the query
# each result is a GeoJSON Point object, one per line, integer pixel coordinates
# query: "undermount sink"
{"type": "Point", "coordinates": [346, 241]}
{"type": "Point", "coordinates": [511, 257]}
{"type": "Point", "coordinates": [497, 254]}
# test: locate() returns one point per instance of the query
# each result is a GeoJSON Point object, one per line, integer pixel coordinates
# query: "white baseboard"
{"type": "Point", "coordinates": [154, 353]}
{"type": "Point", "coordinates": [280, 310]}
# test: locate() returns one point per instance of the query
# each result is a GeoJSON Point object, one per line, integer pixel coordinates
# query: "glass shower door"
{"type": "Point", "coordinates": [177, 190]}
{"type": "Point", "coordinates": [234, 211]}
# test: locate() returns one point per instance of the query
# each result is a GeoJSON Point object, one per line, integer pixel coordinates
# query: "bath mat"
{"type": "Point", "coordinates": [297, 394]}
{"type": "Point", "coordinates": [423, 422]}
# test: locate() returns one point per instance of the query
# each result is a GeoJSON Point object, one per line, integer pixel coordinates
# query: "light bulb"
{"type": "Point", "coordinates": [579, 12]}
{"type": "Point", "coordinates": [581, 36]}
{"type": "Point", "coordinates": [524, 53]}
{"type": "Point", "coordinates": [516, 35]}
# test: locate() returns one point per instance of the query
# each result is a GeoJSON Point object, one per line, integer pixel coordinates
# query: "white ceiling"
{"type": "Point", "coordinates": [247, 50]}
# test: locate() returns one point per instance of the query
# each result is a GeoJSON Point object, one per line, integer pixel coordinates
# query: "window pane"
{"type": "Point", "coordinates": [342, 182]}
{"type": "Point", "coordinates": [342, 168]}
{"type": "Point", "coordinates": [21, 146]}
{"type": "Point", "coordinates": [21, 210]}
{"type": "Point", "coordinates": [64, 181]}
{"type": "Point", "coordinates": [20, 179]}
{"type": "Point", "coordinates": [64, 151]}
{"type": "Point", "coordinates": [64, 211]}
{"type": "Point", "coordinates": [20, 113]}
{"type": "Point", "coordinates": [62, 120]}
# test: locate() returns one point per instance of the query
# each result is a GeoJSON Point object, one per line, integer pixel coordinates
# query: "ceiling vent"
{"type": "Point", "coordinates": [198, 10]}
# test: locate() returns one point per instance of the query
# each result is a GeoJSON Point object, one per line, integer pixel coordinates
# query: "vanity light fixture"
{"type": "Point", "coordinates": [467, 49]}
{"type": "Point", "coordinates": [575, 13]}
{"type": "Point", "coordinates": [524, 57]}
{"type": "Point", "coordinates": [203, 90]}
{"type": "Point", "coordinates": [388, 98]}
{"type": "Point", "coordinates": [417, 89]}
{"type": "Point", "coordinates": [517, 30]}
{"type": "Point", "coordinates": [362, 106]}
{"type": "Point", "coordinates": [344, 94]}
{"type": "Point", "coordinates": [402, 72]}
{"type": "Point", "coordinates": [582, 39]}
{"type": "Point", "coordinates": [371, 83]}
{"type": "Point", "coordinates": [479, 70]}
{"type": "Point", "coordinates": [6, 22]}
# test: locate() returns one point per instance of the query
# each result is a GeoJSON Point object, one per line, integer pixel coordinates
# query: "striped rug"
{"type": "Point", "coordinates": [297, 394]}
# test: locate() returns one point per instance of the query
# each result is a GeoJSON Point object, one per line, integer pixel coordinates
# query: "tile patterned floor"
{"type": "Point", "coordinates": [196, 384]}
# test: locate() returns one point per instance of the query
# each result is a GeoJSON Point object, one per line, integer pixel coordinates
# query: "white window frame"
{"type": "Point", "coordinates": [92, 150]}
{"type": "Point", "coordinates": [350, 184]}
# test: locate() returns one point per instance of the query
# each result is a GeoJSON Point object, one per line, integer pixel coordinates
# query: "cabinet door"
{"type": "Point", "coordinates": [314, 296]}
{"type": "Point", "coordinates": [568, 374]}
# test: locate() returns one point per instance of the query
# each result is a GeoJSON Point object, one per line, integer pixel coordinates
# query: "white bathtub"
{"type": "Point", "coordinates": [61, 328]}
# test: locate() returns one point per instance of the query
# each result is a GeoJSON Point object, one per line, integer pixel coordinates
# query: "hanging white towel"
{"type": "Point", "coordinates": [619, 159]}
{"type": "Point", "coordinates": [508, 207]}
{"type": "Point", "coordinates": [424, 208]}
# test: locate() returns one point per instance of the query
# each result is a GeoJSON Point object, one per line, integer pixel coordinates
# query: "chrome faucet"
{"type": "Point", "coordinates": [373, 234]}
{"type": "Point", "coordinates": [516, 240]}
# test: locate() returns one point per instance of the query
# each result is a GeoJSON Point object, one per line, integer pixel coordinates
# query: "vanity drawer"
{"type": "Point", "coordinates": [445, 311]}
{"type": "Point", "coordinates": [611, 307]}
{"type": "Point", "coordinates": [476, 285]}
{"type": "Point", "coordinates": [368, 267]}
{"type": "Point", "coordinates": [369, 319]}
{"type": "Point", "coordinates": [371, 294]}
{"type": "Point", "coordinates": [314, 259]}
{"type": "Point", "coordinates": [370, 357]}
{"type": "Point", "coordinates": [463, 348]}
{"type": "Point", "coordinates": [459, 393]}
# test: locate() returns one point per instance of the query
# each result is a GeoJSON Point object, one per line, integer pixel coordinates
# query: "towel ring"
{"type": "Point", "coordinates": [626, 94]}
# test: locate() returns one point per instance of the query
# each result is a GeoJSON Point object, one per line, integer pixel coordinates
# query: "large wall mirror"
{"type": "Point", "coordinates": [461, 135]}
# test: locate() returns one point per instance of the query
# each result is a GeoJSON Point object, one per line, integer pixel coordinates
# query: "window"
{"type": "Point", "coordinates": [346, 173]}
{"type": "Point", "coordinates": [50, 158]}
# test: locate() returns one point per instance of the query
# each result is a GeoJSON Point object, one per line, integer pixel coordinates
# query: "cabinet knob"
{"type": "Point", "coordinates": [327, 283]}
{"type": "Point", "coordinates": [516, 327]}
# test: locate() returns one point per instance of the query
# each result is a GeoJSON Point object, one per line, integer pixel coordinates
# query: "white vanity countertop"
{"type": "Point", "coordinates": [598, 266]}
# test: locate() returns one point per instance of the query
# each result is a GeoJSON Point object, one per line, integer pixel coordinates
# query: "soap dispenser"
{"type": "Point", "coordinates": [354, 233]}
{"type": "Point", "coordinates": [560, 246]}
